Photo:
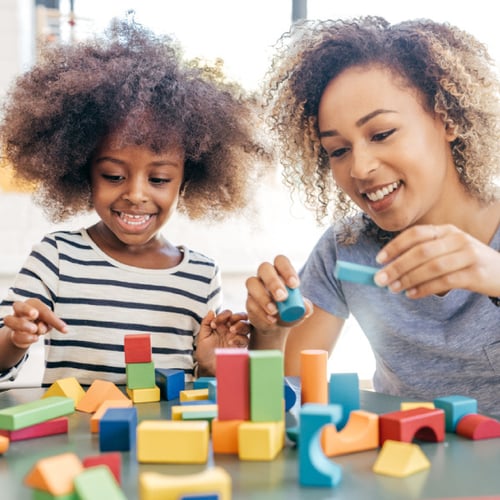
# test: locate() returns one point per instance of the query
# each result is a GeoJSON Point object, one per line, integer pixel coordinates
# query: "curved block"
{"type": "Point", "coordinates": [315, 468]}
{"type": "Point", "coordinates": [474, 426]}
{"type": "Point", "coordinates": [359, 434]}
{"type": "Point", "coordinates": [425, 424]}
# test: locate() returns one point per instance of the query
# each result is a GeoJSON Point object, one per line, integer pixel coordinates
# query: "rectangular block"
{"type": "Point", "coordinates": [48, 428]}
{"type": "Point", "coordinates": [356, 273]}
{"type": "Point", "coordinates": [137, 348]}
{"type": "Point", "coordinates": [117, 429]}
{"type": "Point", "coordinates": [170, 381]}
{"type": "Point", "coordinates": [35, 412]}
{"type": "Point", "coordinates": [140, 375]}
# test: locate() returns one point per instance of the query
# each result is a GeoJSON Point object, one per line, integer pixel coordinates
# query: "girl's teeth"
{"type": "Point", "coordinates": [134, 220]}
{"type": "Point", "coordinates": [381, 193]}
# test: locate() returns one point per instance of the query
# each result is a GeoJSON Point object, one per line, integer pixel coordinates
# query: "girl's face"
{"type": "Point", "coordinates": [135, 191]}
{"type": "Point", "coordinates": [391, 156]}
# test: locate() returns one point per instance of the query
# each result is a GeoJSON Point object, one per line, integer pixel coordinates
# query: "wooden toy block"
{"type": "Point", "coordinates": [99, 391]}
{"type": "Point", "coordinates": [117, 429]}
{"type": "Point", "coordinates": [178, 411]}
{"type": "Point", "coordinates": [35, 412]}
{"type": "Point", "coordinates": [474, 426]}
{"type": "Point", "coordinates": [290, 396]}
{"type": "Point", "coordinates": [233, 387]}
{"type": "Point", "coordinates": [356, 273]}
{"type": "Point", "coordinates": [98, 482]}
{"type": "Point", "coordinates": [410, 405]}
{"type": "Point", "coordinates": [109, 403]}
{"type": "Point", "coordinates": [260, 440]}
{"type": "Point", "coordinates": [140, 375]}
{"type": "Point", "coordinates": [313, 376]}
{"type": "Point", "coordinates": [68, 387]}
{"type": "Point", "coordinates": [55, 474]}
{"type": "Point", "coordinates": [424, 424]}
{"type": "Point", "coordinates": [193, 395]}
{"type": "Point", "coordinates": [113, 460]}
{"type": "Point", "coordinates": [455, 407]}
{"type": "Point", "coordinates": [398, 459]}
{"type": "Point", "coordinates": [225, 436]}
{"type": "Point", "coordinates": [359, 434]}
{"type": "Point", "coordinates": [343, 390]}
{"type": "Point", "coordinates": [315, 468]}
{"type": "Point", "coordinates": [203, 382]}
{"type": "Point", "coordinates": [48, 428]}
{"type": "Point", "coordinates": [156, 486]}
{"type": "Point", "coordinates": [137, 348]}
{"type": "Point", "coordinates": [197, 402]}
{"type": "Point", "coordinates": [4, 444]}
{"type": "Point", "coordinates": [149, 395]}
{"type": "Point", "coordinates": [293, 307]}
{"type": "Point", "coordinates": [45, 495]}
{"type": "Point", "coordinates": [172, 441]}
{"type": "Point", "coordinates": [266, 386]}
{"type": "Point", "coordinates": [170, 381]}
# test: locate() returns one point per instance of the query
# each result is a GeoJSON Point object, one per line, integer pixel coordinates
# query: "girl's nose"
{"type": "Point", "coordinates": [136, 192]}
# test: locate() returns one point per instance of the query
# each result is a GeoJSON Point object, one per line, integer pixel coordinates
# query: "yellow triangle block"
{"type": "Point", "coordinates": [67, 387]}
{"type": "Point", "coordinates": [55, 474]}
{"type": "Point", "coordinates": [400, 459]}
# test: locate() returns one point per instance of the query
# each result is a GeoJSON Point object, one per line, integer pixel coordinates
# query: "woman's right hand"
{"type": "Point", "coordinates": [267, 288]}
{"type": "Point", "coordinates": [29, 320]}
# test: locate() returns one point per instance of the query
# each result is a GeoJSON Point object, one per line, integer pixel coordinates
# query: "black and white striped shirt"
{"type": "Point", "coordinates": [101, 300]}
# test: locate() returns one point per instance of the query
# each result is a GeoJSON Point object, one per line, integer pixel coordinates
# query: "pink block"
{"type": "Point", "coordinates": [112, 459]}
{"type": "Point", "coordinates": [474, 426]}
{"type": "Point", "coordinates": [48, 428]}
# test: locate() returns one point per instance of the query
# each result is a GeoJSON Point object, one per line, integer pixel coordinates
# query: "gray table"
{"type": "Point", "coordinates": [459, 467]}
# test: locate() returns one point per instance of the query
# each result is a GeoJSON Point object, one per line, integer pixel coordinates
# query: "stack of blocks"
{"type": "Point", "coordinates": [140, 369]}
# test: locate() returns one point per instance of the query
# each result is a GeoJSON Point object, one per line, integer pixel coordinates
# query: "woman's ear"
{"type": "Point", "coordinates": [451, 130]}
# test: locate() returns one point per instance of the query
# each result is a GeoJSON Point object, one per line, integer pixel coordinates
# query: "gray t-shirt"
{"type": "Point", "coordinates": [424, 348]}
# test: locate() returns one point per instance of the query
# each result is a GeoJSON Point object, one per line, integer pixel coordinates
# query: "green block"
{"type": "Point", "coordinates": [45, 495]}
{"type": "Point", "coordinates": [266, 386]}
{"type": "Point", "coordinates": [200, 415]}
{"type": "Point", "coordinates": [98, 482]}
{"type": "Point", "coordinates": [35, 412]}
{"type": "Point", "coordinates": [140, 375]}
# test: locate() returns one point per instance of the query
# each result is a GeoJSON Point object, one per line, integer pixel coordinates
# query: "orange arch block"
{"type": "Point", "coordinates": [359, 434]}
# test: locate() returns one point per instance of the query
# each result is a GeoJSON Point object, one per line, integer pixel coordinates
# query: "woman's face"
{"type": "Point", "coordinates": [390, 155]}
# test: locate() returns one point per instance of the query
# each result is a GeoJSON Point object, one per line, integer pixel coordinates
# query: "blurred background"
{"type": "Point", "coordinates": [241, 33]}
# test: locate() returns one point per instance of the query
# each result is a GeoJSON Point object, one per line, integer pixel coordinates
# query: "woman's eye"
{"type": "Point", "coordinates": [337, 153]}
{"type": "Point", "coordinates": [383, 135]}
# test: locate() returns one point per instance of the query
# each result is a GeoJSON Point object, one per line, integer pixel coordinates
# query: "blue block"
{"type": "Point", "coordinates": [202, 382]}
{"type": "Point", "coordinates": [315, 468]}
{"type": "Point", "coordinates": [170, 381]}
{"type": "Point", "coordinates": [455, 407]}
{"type": "Point", "coordinates": [293, 308]}
{"type": "Point", "coordinates": [356, 273]}
{"type": "Point", "coordinates": [290, 396]}
{"type": "Point", "coordinates": [118, 429]}
{"type": "Point", "coordinates": [212, 390]}
{"type": "Point", "coordinates": [343, 390]}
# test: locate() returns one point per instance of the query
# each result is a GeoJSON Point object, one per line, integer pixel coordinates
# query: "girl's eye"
{"type": "Point", "coordinates": [383, 135]}
{"type": "Point", "coordinates": [158, 180]}
{"type": "Point", "coordinates": [113, 178]}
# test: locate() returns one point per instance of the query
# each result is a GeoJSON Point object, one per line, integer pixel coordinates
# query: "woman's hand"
{"type": "Point", "coordinates": [427, 259]}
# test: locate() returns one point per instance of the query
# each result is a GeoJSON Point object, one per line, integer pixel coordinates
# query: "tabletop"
{"type": "Point", "coordinates": [459, 467]}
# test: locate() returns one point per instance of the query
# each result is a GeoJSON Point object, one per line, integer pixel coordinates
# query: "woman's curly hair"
{"type": "Point", "coordinates": [452, 71]}
{"type": "Point", "coordinates": [134, 81]}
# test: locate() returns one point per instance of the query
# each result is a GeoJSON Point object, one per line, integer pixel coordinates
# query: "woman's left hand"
{"type": "Point", "coordinates": [428, 259]}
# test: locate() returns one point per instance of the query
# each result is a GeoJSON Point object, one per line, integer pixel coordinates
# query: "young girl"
{"type": "Point", "coordinates": [122, 126]}
{"type": "Point", "coordinates": [398, 126]}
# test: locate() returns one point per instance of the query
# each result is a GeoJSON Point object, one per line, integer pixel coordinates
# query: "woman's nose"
{"type": "Point", "coordinates": [363, 164]}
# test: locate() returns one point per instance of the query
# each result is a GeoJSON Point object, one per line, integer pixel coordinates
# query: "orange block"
{"type": "Point", "coordinates": [109, 403]}
{"type": "Point", "coordinates": [313, 376]}
{"type": "Point", "coordinates": [4, 444]}
{"type": "Point", "coordinates": [55, 474]}
{"type": "Point", "coordinates": [225, 436]}
{"type": "Point", "coordinates": [97, 393]}
{"type": "Point", "coordinates": [359, 434]}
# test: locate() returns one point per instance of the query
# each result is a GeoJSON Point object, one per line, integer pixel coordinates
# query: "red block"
{"type": "Point", "coordinates": [233, 384]}
{"type": "Point", "coordinates": [48, 428]}
{"type": "Point", "coordinates": [474, 426]}
{"type": "Point", "coordinates": [112, 459]}
{"type": "Point", "coordinates": [137, 348]}
{"type": "Point", "coordinates": [424, 424]}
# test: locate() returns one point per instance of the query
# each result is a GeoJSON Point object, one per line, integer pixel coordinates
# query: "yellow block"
{"type": "Point", "coordinates": [193, 395]}
{"type": "Point", "coordinates": [67, 387]}
{"type": "Point", "coordinates": [147, 395]}
{"type": "Point", "coordinates": [109, 403]}
{"type": "Point", "coordinates": [156, 486]}
{"type": "Point", "coordinates": [260, 440]}
{"type": "Point", "coordinates": [178, 410]}
{"type": "Point", "coordinates": [410, 405]}
{"type": "Point", "coordinates": [173, 441]}
{"type": "Point", "coordinates": [400, 459]}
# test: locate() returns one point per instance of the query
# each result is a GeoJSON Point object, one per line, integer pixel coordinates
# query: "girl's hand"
{"type": "Point", "coordinates": [227, 329]}
{"type": "Point", "coordinates": [267, 288]}
{"type": "Point", "coordinates": [29, 320]}
{"type": "Point", "coordinates": [426, 259]}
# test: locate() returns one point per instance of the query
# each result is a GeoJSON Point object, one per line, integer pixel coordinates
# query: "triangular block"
{"type": "Point", "coordinates": [67, 387]}
{"type": "Point", "coordinates": [97, 393]}
{"type": "Point", "coordinates": [399, 459]}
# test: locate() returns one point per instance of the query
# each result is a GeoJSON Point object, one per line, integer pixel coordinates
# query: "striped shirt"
{"type": "Point", "coordinates": [102, 300]}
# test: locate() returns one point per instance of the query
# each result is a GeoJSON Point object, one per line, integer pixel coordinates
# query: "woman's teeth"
{"type": "Point", "coordinates": [381, 193]}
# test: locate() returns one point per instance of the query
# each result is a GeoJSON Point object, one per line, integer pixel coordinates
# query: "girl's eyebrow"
{"type": "Point", "coordinates": [156, 163]}
{"type": "Point", "coordinates": [359, 123]}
